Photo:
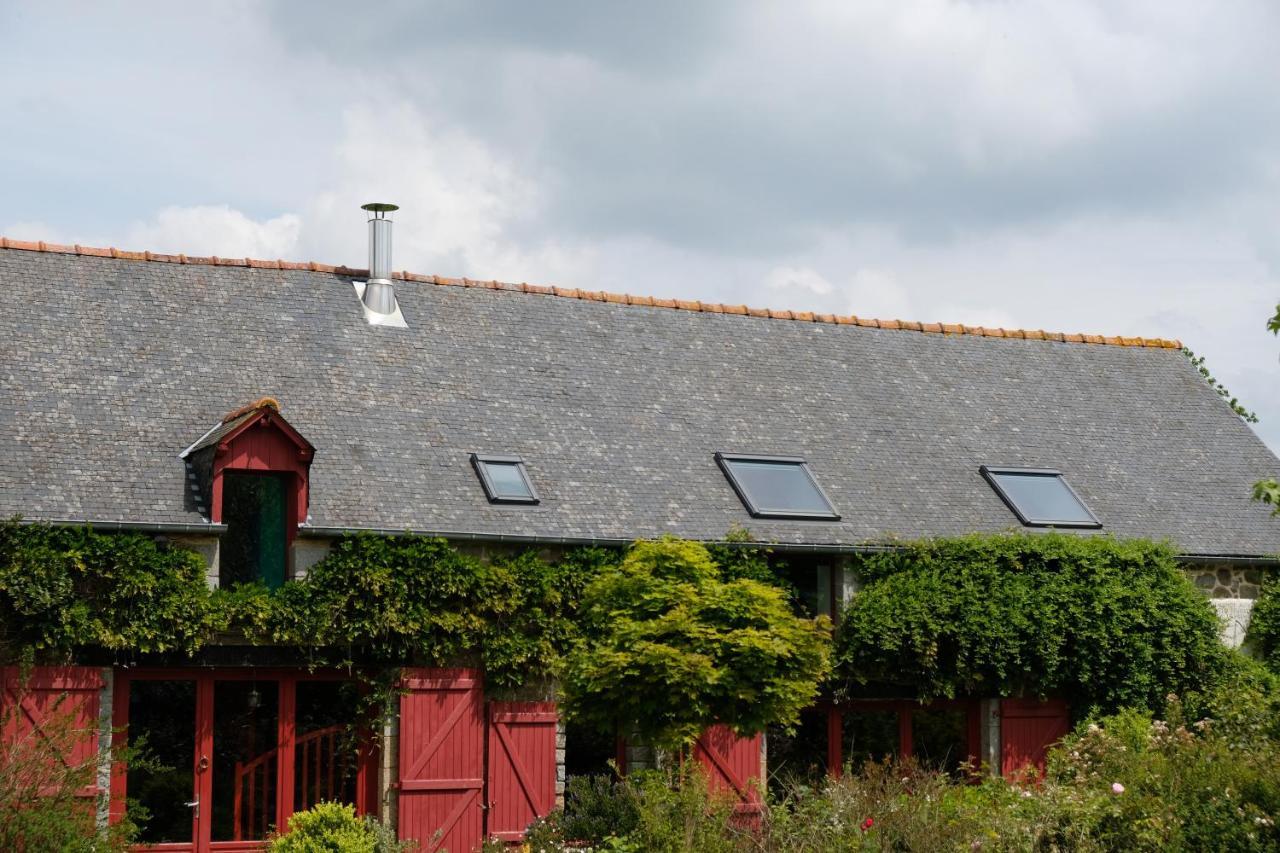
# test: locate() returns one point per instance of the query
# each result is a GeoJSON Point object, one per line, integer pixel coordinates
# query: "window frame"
{"type": "Point", "coordinates": [991, 474]}
{"type": "Point", "coordinates": [479, 461]}
{"type": "Point", "coordinates": [726, 460]}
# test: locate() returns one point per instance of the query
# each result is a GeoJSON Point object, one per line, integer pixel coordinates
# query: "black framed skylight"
{"type": "Point", "coordinates": [505, 479]}
{"type": "Point", "coordinates": [1040, 497]}
{"type": "Point", "coordinates": [776, 486]}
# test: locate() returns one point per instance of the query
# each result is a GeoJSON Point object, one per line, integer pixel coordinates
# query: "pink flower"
{"type": "Point", "coordinates": [867, 824]}
{"type": "Point", "coordinates": [1117, 788]}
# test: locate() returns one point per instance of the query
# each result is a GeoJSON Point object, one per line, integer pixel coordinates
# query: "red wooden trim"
{"type": "Point", "coordinates": [286, 732]}
{"type": "Point", "coordinates": [835, 742]}
{"type": "Point", "coordinates": [201, 825]}
{"type": "Point", "coordinates": [120, 729]}
{"type": "Point", "coordinates": [70, 679]}
{"type": "Point", "coordinates": [269, 417]}
{"type": "Point", "coordinates": [440, 784]}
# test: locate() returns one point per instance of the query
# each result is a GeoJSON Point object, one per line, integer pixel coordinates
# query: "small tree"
{"type": "Point", "coordinates": [670, 647]}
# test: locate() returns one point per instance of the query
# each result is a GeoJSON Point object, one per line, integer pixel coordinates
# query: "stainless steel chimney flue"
{"type": "Point", "coordinates": [379, 292]}
{"type": "Point", "coordinates": [378, 295]}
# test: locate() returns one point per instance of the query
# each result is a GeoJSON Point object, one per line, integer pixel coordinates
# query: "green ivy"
{"type": "Point", "coordinates": [67, 588]}
{"type": "Point", "coordinates": [1264, 625]}
{"type": "Point", "coordinates": [413, 599]}
{"type": "Point", "coordinates": [1101, 622]}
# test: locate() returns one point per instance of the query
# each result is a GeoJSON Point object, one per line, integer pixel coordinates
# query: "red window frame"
{"type": "Point", "coordinates": [904, 708]}
{"type": "Point", "coordinates": [288, 680]}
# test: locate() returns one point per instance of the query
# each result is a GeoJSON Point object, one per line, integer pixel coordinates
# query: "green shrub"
{"type": "Point", "coordinates": [596, 807]}
{"type": "Point", "coordinates": [1176, 784]}
{"type": "Point", "coordinates": [335, 828]}
{"type": "Point", "coordinates": [1100, 622]}
{"type": "Point", "coordinates": [671, 647]}
{"type": "Point", "coordinates": [1264, 623]}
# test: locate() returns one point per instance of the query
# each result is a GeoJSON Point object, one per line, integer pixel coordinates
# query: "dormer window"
{"type": "Point", "coordinates": [253, 468]}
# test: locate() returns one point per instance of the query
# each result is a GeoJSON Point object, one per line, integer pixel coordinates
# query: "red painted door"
{"type": "Point", "coordinates": [522, 766]}
{"type": "Point", "coordinates": [1028, 728]}
{"type": "Point", "coordinates": [732, 764]}
{"type": "Point", "coordinates": [442, 759]}
{"type": "Point", "coordinates": [55, 707]}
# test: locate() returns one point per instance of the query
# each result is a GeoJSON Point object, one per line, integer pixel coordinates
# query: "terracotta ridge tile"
{"type": "Point", "coordinates": [594, 295]}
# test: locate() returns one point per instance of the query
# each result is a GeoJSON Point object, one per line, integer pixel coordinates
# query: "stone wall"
{"type": "Point", "coordinates": [1232, 590]}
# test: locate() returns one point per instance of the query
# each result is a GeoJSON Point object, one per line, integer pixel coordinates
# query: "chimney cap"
{"type": "Point", "coordinates": [379, 207]}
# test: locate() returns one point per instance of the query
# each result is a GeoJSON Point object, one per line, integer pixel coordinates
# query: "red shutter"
{"type": "Point", "coordinates": [1027, 729]}
{"type": "Point", "coordinates": [442, 759]}
{"type": "Point", "coordinates": [54, 693]}
{"type": "Point", "coordinates": [522, 766]}
{"type": "Point", "coordinates": [732, 764]}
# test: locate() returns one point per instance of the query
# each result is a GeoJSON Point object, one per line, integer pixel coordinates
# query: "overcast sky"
{"type": "Point", "coordinates": [1109, 168]}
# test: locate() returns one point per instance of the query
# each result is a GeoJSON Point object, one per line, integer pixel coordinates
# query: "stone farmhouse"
{"type": "Point", "coordinates": [255, 410]}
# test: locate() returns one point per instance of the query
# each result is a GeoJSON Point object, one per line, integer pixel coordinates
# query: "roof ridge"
{"type": "Point", "coordinates": [599, 296]}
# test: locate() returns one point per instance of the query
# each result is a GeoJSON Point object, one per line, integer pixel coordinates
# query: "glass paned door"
{"type": "Point", "coordinates": [246, 726]}
{"type": "Point", "coordinates": [162, 725]}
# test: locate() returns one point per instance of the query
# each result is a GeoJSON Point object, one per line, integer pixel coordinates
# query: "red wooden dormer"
{"type": "Point", "coordinates": [254, 469]}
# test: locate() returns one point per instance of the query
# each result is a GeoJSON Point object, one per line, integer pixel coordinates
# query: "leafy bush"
{"type": "Point", "coordinates": [335, 828]}
{"type": "Point", "coordinates": [597, 807]}
{"type": "Point", "coordinates": [1101, 622]}
{"type": "Point", "coordinates": [1176, 784]}
{"type": "Point", "coordinates": [670, 648]}
{"type": "Point", "coordinates": [1264, 624]}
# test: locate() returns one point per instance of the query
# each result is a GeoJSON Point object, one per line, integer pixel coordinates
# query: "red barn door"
{"type": "Point", "coordinates": [442, 759]}
{"type": "Point", "coordinates": [1028, 728]}
{"type": "Point", "coordinates": [732, 764]}
{"type": "Point", "coordinates": [522, 766]}
{"type": "Point", "coordinates": [58, 705]}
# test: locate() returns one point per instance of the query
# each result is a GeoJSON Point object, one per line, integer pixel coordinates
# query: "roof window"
{"type": "Point", "coordinates": [776, 486]}
{"type": "Point", "coordinates": [1040, 497]}
{"type": "Point", "coordinates": [505, 479]}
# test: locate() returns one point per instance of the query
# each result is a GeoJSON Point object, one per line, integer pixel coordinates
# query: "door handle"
{"type": "Point", "coordinates": [195, 804]}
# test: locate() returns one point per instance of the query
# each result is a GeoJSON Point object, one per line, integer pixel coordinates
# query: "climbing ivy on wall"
{"type": "Point", "coordinates": [1101, 622]}
{"type": "Point", "coordinates": [67, 588]}
{"type": "Point", "coordinates": [1264, 624]}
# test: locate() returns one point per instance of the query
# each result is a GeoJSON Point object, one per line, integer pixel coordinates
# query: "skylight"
{"type": "Point", "coordinates": [504, 479]}
{"type": "Point", "coordinates": [776, 486]}
{"type": "Point", "coordinates": [1040, 497]}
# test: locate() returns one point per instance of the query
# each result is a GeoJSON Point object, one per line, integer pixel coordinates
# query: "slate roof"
{"type": "Point", "coordinates": [111, 366]}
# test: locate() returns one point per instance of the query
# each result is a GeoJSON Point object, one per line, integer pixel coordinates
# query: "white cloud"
{"type": "Point", "coordinates": [789, 278]}
{"type": "Point", "coordinates": [215, 230]}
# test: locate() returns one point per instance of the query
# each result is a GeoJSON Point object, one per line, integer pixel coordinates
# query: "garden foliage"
{"type": "Point", "coordinates": [670, 646]}
{"type": "Point", "coordinates": [335, 828]}
{"type": "Point", "coordinates": [1264, 624]}
{"type": "Point", "coordinates": [1131, 781]}
{"type": "Point", "coordinates": [1101, 622]}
